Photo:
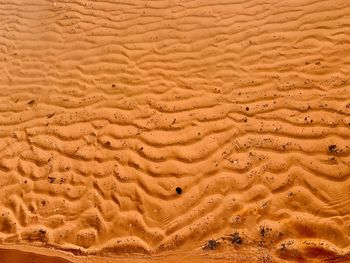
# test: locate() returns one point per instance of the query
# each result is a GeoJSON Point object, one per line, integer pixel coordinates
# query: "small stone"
{"type": "Point", "coordinates": [178, 190]}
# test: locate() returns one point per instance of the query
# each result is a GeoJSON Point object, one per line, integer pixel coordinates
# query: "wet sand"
{"type": "Point", "coordinates": [166, 130]}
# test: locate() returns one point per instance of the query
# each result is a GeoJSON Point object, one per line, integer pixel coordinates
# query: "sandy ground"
{"type": "Point", "coordinates": [165, 130]}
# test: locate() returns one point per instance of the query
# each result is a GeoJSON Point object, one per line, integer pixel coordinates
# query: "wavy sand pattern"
{"type": "Point", "coordinates": [106, 107]}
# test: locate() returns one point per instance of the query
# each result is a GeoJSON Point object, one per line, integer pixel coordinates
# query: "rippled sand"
{"type": "Point", "coordinates": [174, 130]}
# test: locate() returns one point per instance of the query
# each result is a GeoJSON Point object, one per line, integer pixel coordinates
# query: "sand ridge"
{"type": "Point", "coordinates": [108, 107]}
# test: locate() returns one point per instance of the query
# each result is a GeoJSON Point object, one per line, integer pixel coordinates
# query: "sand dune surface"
{"type": "Point", "coordinates": [165, 130]}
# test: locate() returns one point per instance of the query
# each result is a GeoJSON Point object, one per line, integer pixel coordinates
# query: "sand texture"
{"type": "Point", "coordinates": [153, 129]}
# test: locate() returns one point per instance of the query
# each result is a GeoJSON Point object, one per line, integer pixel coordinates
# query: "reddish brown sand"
{"type": "Point", "coordinates": [174, 131]}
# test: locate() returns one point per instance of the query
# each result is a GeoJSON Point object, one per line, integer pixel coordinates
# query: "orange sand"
{"type": "Point", "coordinates": [107, 107]}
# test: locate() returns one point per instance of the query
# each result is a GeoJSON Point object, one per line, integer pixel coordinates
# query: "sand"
{"type": "Point", "coordinates": [168, 131]}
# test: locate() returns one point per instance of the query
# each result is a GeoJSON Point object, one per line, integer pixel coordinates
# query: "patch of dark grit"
{"type": "Point", "coordinates": [211, 245]}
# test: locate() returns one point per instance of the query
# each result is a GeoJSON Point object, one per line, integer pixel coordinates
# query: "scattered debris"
{"type": "Point", "coordinates": [50, 115]}
{"type": "Point", "coordinates": [237, 219]}
{"type": "Point", "coordinates": [42, 231]}
{"type": "Point", "coordinates": [51, 179]}
{"type": "Point", "coordinates": [264, 230]}
{"type": "Point", "coordinates": [333, 149]}
{"type": "Point", "coordinates": [236, 239]}
{"type": "Point", "coordinates": [291, 194]}
{"type": "Point", "coordinates": [211, 245]}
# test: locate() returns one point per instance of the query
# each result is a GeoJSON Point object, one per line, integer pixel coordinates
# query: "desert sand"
{"type": "Point", "coordinates": [174, 131]}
